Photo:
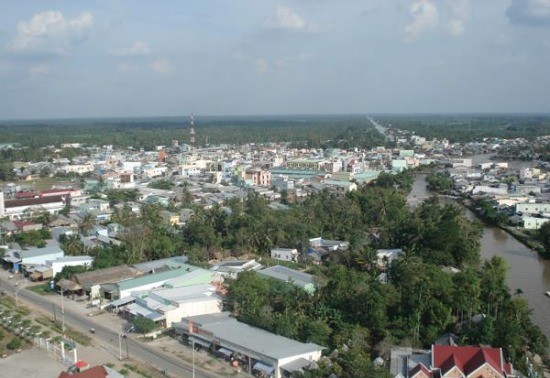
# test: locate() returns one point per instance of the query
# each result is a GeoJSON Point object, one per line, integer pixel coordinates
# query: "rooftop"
{"type": "Point", "coordinates": [230, 330]}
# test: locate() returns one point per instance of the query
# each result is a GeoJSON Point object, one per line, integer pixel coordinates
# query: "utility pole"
{"type": "Point", "coordinates": [119, 347]}
{"type": "Point", "coordinates": [193, 344]}
{"type": "Point", "coordinates": [54, 313]}
{"type": "Point", "coordinates": [62, 313]}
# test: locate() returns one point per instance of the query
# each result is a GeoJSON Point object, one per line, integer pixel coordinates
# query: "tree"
{"type": "Point", "coordinates": [144, 325]}
{"type": "Point", "coordinates": [544, 237]}
{"type": "Point", "coordinates": [15, 343]}
{"type": "Point", "coordinates": [87, 224]}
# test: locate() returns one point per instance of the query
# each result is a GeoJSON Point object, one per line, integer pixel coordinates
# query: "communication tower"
{"type": "Point", "coordinates": [192, 131]}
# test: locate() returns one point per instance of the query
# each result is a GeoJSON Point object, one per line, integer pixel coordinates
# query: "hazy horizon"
{"type": "Point", "coordinates": [198, 117]}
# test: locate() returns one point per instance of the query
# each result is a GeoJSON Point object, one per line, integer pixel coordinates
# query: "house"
{"type": "Point", "coordinates": [321, 249]}
{"type": "Point", "coordinates": [285, 254]}
{"type": "Point", "coordinates": [385, 257]}
{"type": "Point", "coordinates": [169, 305]}
{"type": "Point", "coordinates": [161, 264]}
{"type": "Point", "coordinates": [57, 265]}
{"type": "Point", "coordinates": [21, 260]}
{"type": "Point", "coordinates": [171, 218]}
{"type": "Point", "coordinates": [28, 208]}
{"type": "Point", "coordinates": [533, 223]}
{"type": "Point", "coordinates": [265, 353]}
{"type": "Point", "coordinates": [185, 275]}
{"type": "Point", "coordinates": [90, 282]}
{"type": "Point", "coordinates": [446, 361]}
{"type": "Point", "coordinates": [294, 277]}
{"type": "Point", "coordinates": [93, 372]}
{"type": "Point", "coordinates": [232, 268]}
{"type": "Point", "coordinates": [25, 226]}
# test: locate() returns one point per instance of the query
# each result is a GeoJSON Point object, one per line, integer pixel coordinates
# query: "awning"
{"type": "Point", "coordinates": [11, 259]}
{"type": "Point", "coordinates": [268, 369]}
{"type": "Point", "coordinates": [296, 365]}
{"type": "Point", "coordinates": [225, 352]}
{"type": "Point", "coordinates": [121, 301]}
{"type": "Point", "coordinates": [201, 342]}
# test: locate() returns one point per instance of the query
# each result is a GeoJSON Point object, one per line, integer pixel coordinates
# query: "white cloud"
{"type": "Point", "coordinates": [162, 66]}
{"type": "Point", "coordinates": [460, 13]}
{"type": "Point", "coordinates": [137, 49]}
{"type": "Point", "coordinates": [51, 33]}
{"type": "Point", "coordinates": [40, 69]}
{"type": "Point", "coordinates": [424, 17]}
{"type": "Point", "coordinates": [261, 66]}
{"type": "Point", "coordinates": [286, 19]}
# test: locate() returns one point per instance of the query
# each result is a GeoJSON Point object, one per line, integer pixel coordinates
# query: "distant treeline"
{"type": "Point", "coordinates": [301, 131]}
{"type": "Point", "coordinates": [466, 128]}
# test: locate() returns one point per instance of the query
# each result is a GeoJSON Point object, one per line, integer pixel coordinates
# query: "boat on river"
{"type": "Point", "coordinates": [547, 293]}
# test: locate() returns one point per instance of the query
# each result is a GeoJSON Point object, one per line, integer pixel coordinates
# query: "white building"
{"type": "Point", "coordinates": [76, 168]}
{"type": "Point", "coordinates": [30, 207]}
{"type": "Point", "coordinates": [533, 208]}
{"type": "Point", "coordinates": [285, 254]}
{"type": "Point", "coordinates": [57, 265]}
{"type": "Point", "coordinates": [533, 223]}
{"type": "Point", "coordinates": [173, 304]}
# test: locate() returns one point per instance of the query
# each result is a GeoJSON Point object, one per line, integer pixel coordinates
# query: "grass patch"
{"type": "Point", "coordinates": [70, 332]}
{"type": "Point", "coordinates": [138, 371]}
{"type": "Point", "coordinates": [42, 289]}
{"type": "Point", "coordinates": [9, 302]}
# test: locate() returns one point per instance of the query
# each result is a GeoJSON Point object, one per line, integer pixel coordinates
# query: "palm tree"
{"type": "Point", "coordinates": [87, 224]}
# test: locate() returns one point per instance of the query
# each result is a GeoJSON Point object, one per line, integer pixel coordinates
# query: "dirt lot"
{"type": "Point", "coordinates": [31, 363]}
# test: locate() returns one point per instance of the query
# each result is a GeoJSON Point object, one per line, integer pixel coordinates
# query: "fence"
{"type": "Point", "coordinates": [60, 352]}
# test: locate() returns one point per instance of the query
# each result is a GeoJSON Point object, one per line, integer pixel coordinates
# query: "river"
{"type": "Point", "coordinates": [527, 271]}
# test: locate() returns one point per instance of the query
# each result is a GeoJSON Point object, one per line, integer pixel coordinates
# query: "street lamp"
{"type": "Point", "coordinates": [62, 313]}
{"type": "Point", "coordinates": [193, 346]}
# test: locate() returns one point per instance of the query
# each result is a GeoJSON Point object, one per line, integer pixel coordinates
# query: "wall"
{"type": "Point", "coordinates": [210, 306]}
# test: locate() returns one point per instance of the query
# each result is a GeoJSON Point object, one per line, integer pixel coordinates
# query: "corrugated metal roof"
{"type": "Point", "coordinates": [155, 277]}
{"type": "Point", "coordinates": [228, 329]}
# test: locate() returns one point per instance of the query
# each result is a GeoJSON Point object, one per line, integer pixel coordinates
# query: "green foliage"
{"type": "Point", "coordinates": [326, 131]}
{"type": "Point", "coordinates": [467, 128]}
{"type": "Point", "coordinates": [68, 271]}
{"type": "Point", "coordinates": [32, 238]}
{"type": "Point", "coordinates": [440, 182]}
{"type": "Point", "coordinates": [489, 212]}
{"type": "Point", "coordinates": [122, 195]}
{"type": "Point", "coordinates": [544, 237]}
{"type": "Point", "coordinates": [162, 184]}
{"type": "Point", "coordinates": [144, 325]}
{"type": "Point", "coordinates": [15, 343]}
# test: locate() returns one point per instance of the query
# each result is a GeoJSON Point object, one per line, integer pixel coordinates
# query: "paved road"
{"type": "Point", "coordinates": [107, 338]}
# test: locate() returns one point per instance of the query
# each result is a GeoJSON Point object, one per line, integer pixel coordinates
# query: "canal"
{"type": "Point", "coordinates": [527, 271]}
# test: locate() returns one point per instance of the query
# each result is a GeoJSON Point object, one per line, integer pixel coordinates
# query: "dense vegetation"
{"type": "Point", "coordinates": [351, 307]}
{"type": "Point", "coordinates": [467, 128]}
{"type": "Point", "coordinates": [310, 131]}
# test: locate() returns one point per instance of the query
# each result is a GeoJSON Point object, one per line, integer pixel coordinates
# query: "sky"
{"type": "Point", "coordinates": [101, 58]}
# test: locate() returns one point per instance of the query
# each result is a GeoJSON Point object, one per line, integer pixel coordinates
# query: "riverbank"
{"type": "Point", "coordinates": [532, 244]}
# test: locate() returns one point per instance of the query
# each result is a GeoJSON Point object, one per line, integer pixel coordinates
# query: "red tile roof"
{"type": "Point", "coordinates": [32, 201]}
{"type": "Point", "coordinates": [418, 369]}
{"type": "Point", "coordinates": [94, 372]}
{"type": "Point", "coordinates": [20, 195]}
{"type": "Point", "coordinates": [21, 224]}
{"type": "Point", "coordinates": [468, 359]}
